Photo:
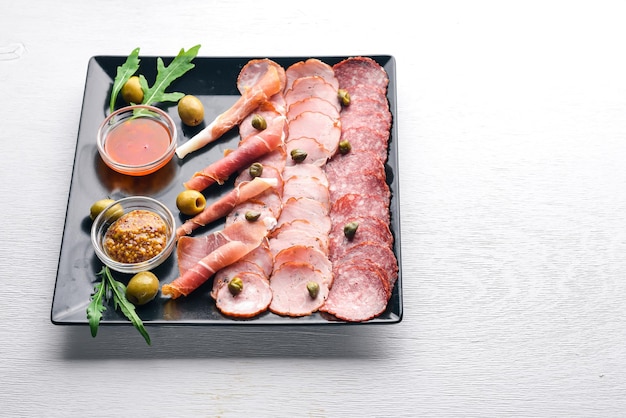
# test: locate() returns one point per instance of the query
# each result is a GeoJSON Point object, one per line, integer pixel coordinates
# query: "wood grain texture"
{"type": "Point", "coordinates": [512, 137]}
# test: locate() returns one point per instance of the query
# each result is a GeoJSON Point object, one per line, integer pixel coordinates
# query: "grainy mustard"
{"type": "Point", "coordinates": [136, 236]}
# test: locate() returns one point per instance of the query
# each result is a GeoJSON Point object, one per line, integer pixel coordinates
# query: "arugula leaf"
{"type": "Point", "coordinates": [118, 290]}
{"type": "Point", "coordinates": [124, 72]}
{"type": "Point", "coordinates": [96, 308]}
{"type": "Point", "coordinates": [165, 75]}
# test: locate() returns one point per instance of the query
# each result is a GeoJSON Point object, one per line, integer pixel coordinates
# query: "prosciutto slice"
{"type": "Point", "coordinates": [250, 149]}
{"type": "Point", "coordinates": [266, 87]}
{"type": "Point", "coordinates": [222, 207]}
{"type": "Point", "coordinates": [235, 241]}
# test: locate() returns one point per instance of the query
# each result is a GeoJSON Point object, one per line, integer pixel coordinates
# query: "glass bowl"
{"type": "Point", "coordinates": [137, 140]}
{"type": "Point", "coordinates": [111, 213]}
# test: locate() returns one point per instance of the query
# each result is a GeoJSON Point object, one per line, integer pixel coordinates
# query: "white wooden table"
{"type": "Point", "coordinates": [512, 138]}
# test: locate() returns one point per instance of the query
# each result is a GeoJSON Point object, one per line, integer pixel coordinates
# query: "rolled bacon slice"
{"type": "Point", "coordinates": [267, 86]}
{"type": "Point", "coordinates": [250, 150]}
{"type": "Point", "coordinates": [222, 207]}
{"type": "Point", "coordinates": [240, 239]}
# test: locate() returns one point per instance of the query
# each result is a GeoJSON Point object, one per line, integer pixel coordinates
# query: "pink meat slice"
{"type": "Point", "coordinates": [360, 70]}
{"type": "Point", "coordinates": [224, 276]}
{"type": "Point", "coordinates": [358, 292]}
{"type": "Point", "coordinates": [361, 92]}
{"type": "Point", "coordinates": [311, 67]}
{"type": "Point", "coordinates": [368, 118]}
{"type": "Point", "coordinates": [326, 130]}
{"type": "Point", "coordinates": [354, 204]}
{"type": "Point", "coordinates": [309, 187]}
{"type": "Point", "coordinates": [255, 297]}
{"type": "Point", "coordinates": [364, 138]}
{"type": "Point", "coordinates": [316, 153]}
{"type": "Point", "coordinates": [269, 206]}
{"type": "Point", "coordinates": [269, 172]}
{"type": "Point", "coordinates": [380, 255]}
{"type": "Point", "coordinates": [298, 232]}
{"type": "Point", "coordinates": [312, 104]}
{"type": "Point", "coordinates": [306, 170]}
{"type": "Point", "coordinates": [289, 289]}
{"type": "Point", "coordinates": [349, 166]}
{"type": "Point", "coordinates": [369, 229]}
{"type": "Point", "coordinates": [305, 209]}
{"type": "Point", "coordinates": [369, 182]}
{"type": "Point", "coordinates": [267, 110]}
{"type": "Point", "coordinates": [312, 86]}
{"type": "Point", "coordinates": [307, 254]}
{"type": "Point", "coordinates": [254, 70]}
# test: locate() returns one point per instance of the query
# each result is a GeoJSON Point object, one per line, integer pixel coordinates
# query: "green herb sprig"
{"type": "Point", "coordinates": [165, 76]}
{"type": "Point", "coordinates": [103, 291]}
{"type": "Point", "coordinates": [124, 73]}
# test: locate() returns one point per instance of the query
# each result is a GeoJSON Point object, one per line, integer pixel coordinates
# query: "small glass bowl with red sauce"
{"type": "Point", "coordinates": [137, 140]}
{"type": "Point", "coordinates": [134, 234]}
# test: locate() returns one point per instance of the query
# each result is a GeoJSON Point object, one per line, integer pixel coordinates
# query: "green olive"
{"type": "Point", "coordinates": [113, 213]}
{"type": "Point", "coordinates": [142, 288]}
{"type": "Point", "coordinates": [190, 110]}
{"type": "Point", "coordinates": [131, 91]}
{"type": "Point", "coordinates": [190, 202]}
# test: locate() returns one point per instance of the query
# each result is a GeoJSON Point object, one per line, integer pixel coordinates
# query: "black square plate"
{"type": "Point", "coordinates": [213, 81]}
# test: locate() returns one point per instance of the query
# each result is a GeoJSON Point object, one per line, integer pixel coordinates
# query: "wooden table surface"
{"type": "Point", "coordinates": [512, 137]}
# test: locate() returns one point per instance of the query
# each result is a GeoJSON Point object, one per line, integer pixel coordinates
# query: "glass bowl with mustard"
{"type": "Point", "coordinates": [134, 234]}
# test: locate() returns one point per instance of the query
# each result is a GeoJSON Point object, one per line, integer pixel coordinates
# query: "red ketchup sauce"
{"type": "Point", "coordinates": [137, 141]}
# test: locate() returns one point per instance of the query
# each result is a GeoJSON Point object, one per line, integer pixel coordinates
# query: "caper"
{"type": "Point", "coordinates": [142, 288]}
{"type": "Point", "coordinates": [349, 229]}
{"type": "Point", "coordinates": [190, 110]}
{"type": "Point", "coordinates": [252, 216]}
{"type": "Point", "coordinates": [344, 97]}
{"type": "Point", "coordinates": [190, 202]}
{"type": "Point", "coordinates": [344, 147]}
{"type": "Point", "coordinates": [132, 91]}
{"type": "Point", "coordinates": [313, 289]}
{"type": "Point", "coordinates": [235, 285]}
{"type": "Point", "coordinates": [113, 213]}
{"type": "Point", "coordinates": [258, 122]}
{"type": "Point", "coordinates": [256, 170]}
{"type": "Point", "coordinates": [298, 155]}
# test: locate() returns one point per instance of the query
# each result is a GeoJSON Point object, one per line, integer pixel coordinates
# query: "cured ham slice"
{"type": "Point", "coordinates": [268, 204]}
{"type": "Point", "coordinates": [250, 150]}
{"type": "Point", "coordinates": [308, 170]}
{"type": "Point", "coordinates": [254, 298]}
{"type": "Point", "coordinates": [289, 288]}
{"type": "Point", "coordinates": [311, 188]}
{"type": "Point", "coordinates": [305, 209]}
{"type": "Point", "coordinates": [323, 128]}
{"type": "Point", "coordinates": [311, 67]}
{"type": "Point", "coordinates": [316, 153]}
{"type": "Point", "coordinates": [267, 86]}
{"type": "Point", "coordinates": [220, 208]}
{"type": "Point", "coordinates": [298, 232]}
{"type": "Point", "coordinates": [268, 111]}
{"type": "Point", "coordinates": [240, 239]}
{"type": "Point", "coordinates": [312, 104]}
{"type": "Point", "coordinates": [312, 86]}
{"type": "Point", "coordinates": [308, 254]}
{"type": "Point", "coordinates": [254, 70]}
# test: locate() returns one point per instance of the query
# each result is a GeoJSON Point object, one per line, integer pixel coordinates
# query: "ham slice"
{"type": "Point", "coordinates": [289, 287]}
{"type": "Point", "coordinates": [220, 208]}
{"type": "Point", "coordinates": [250, 150]}
{"type": "Point", "coordinates": [312, 86]}
{"type": "Point", "coordinates": [254, 298]}
{"type": "Point", "coordinates": [267, 86]}
{"type": "Point", "coordinates": [311, 67]}
{"type": "Point", "coordinates": [238, 239]}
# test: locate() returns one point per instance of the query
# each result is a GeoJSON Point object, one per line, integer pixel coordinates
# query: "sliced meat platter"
{"type": "Point", "coordinates": [331, 248]}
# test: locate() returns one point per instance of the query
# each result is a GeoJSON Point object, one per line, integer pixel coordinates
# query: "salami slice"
{"type": "Point", "coordinates": [359, 292]}
{"type": "Point", "coordinates": [379, 255]}
{"type": "Point", "coordinates": [365, 138]}
{"type": "Point", "coordinates": [354, 204]}
{"type": "Point", "coordinates": [368, 229]}
{"type": "Point", "coordinates": [360, 70]}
